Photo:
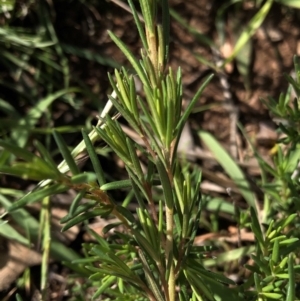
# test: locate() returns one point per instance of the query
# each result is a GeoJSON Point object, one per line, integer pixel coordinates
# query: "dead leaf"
{"type": "Point", "coordinates": [14, 259]}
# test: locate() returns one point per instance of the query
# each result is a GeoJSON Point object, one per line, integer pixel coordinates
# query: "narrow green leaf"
{"type": "Point", "coordinates": [230, 166]}
{"type": "Point", "coordinates": [127, 115]}
{"type": "Point", "coordinates": [270, 232]}
{"type": "Point", "coordinates": [297, 66]}
{"type": "Point", "coordinates": [66, 153]}
{"type": "Point", "coordinates": [256, 229]}
{"type": "Point", "coordinates": [46, 156]}
{"type": "Point", "coordinates": [37, 195]}
{"type": "Point", "coordinates": [117, 137]}
{"type": "Point", "coordinates": [219, 205]}
{"type": "Point", "coordinates": [274, 296]}
{"type": "Point", "coordinates": [275, 253]}
{"type": "Point", "coordinates": [161, 48]}
{"type": "Point", "coordinates": [283, 263]}
{"type": "Point", "coordinates": [138, 24]}
{"type": "Point", "coordinates": [123, 87]}
{"type": "Point", "coordinates": [126, 213]}
{"type": "Point", "coordinates": [202, 272]}
{"type": "Point", "coordinates": [166, 185]}
{"type": "Point", "coordinates": [145, 246]}
{"type": "Point", "coordinates": [155, 114]}
{"type": "Point", "coordinates": [135, 159]}
{"type": "Point", "coordinates": [121, 265]}
{"type": "Point", "coordinates": [131, 58]}
{"type": "Point", "coordinates": [243, 61]}
{"type": "Point", "coordinates": [9, 232]}
{"type": "Point", "coordinates": [86, 177]}
{"type": "Point", "coordinates": [94, 158]}
{"type": "Point", "coordinates": [201, 38]}
{"type": "Point", "coordinates": [191, 105]}
{"type": "Point", "coordinates": [195, 224]}
{"type": "Point", "coordinates": [33, 171]}
{"type": "Point", "coordinates": [78, 209]}
{"type": "Point", "coordinates": [155, 287]}
{"type": "Point", "coordinates": [139, 184]}
{"type": "Point", "coordinates": [220, 19]}
{"type": "Point", "coordinates": [100, 212]}
{"type": "Point", "coordinates": [143, 221]}
{"type": "Point", "coordinates": [105, 284]}
{"type": "Point", "coordinates": [257, 283]}
{"type": "Point", "coordinates": [148, 118]}
{"type": "Point", "coordinates": [109, 227]}
{"type": "Point", "coordinates": [115, 142]}
{"type": "Point", "coordinates": [199, 286]}
{"type": "Point", "coordinates": [291, 285]}
{"type": "Point", "coordinates": [116, 185]}
{"type": "Point", "coordinates": [18, 297]}
{"type": "Point", "coordinates": [253, 25]}
{"type": "Point", "coordinates": [19, 152]}
{"type": "Point", "coordinates": [147, 12]}
{"type": "Point", "coordinates": [183, 294]}
{"type": "Point", "coordinates": [137, 193]}
{"type": "Point", "coordinates": [102, 243]}
{"type": "Point", "coordinates": [165, 28]}
{"type": "Point", "coordinates": [133, 98]}
{"type": "Point", "coordinates": [35, 113]}
{"type": "Point", "coordinates": [147, 65]}
{"type": "Point", "coordinates": [76, 202]}
{"type": "Point", "coordinates": [45, 228]}
{"type": "Point", "coordinates": [229, 256]}
{"type": "Point", "coordinates": [261, 263]}
{"type": "Point", "coordinates": [285, 222]}
{"type": "Point", "coordinates": [2, 223]}
{"type": "Point", "coordinates": [116, 90]}
{"type": "Point", "coordinates": [171, 122]}
{"type": "Point", "coordinates": [291, 3]}
{"type": "Point", "coordinates": [288, 241]}
{"type": "Point", "coordinates": [278, 237]}
{"type": "Point", "coordinates": [282, 276]}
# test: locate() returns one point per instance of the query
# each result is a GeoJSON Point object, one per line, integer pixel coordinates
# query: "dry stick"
{"type": "Point", "coordinates": [126, 8]}
{"type": "Point", "coordinates": [197, 152]}
{"type": "Point", "coordinates": [229, 105]}
{"type": "Point", "coordinates": [236, 213]}
{"type": "Point", "coordinates": [81, 147]}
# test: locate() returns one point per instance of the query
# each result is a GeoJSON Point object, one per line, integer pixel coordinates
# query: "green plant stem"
{"type": "Point", "coordinates": [46, 232]}
{"type": "Point", "coordinates": [169, 251]}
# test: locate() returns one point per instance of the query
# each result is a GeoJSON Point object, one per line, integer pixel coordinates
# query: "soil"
{"type": "Point", "coordinates": [273, 47]}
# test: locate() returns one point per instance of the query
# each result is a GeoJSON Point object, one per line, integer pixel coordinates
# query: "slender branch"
{"type": "Point", "coordinates": [169, 255]}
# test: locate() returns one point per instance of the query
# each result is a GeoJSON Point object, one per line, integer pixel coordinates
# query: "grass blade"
{"type": "Point", "coordinates": [249, 31]}
{"type": "Point", "coordinates": [66, 153]}
{"type": "Point", "coordinates": [232, 169]}
{"type": "Point", "coordinates": [134, 62]}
